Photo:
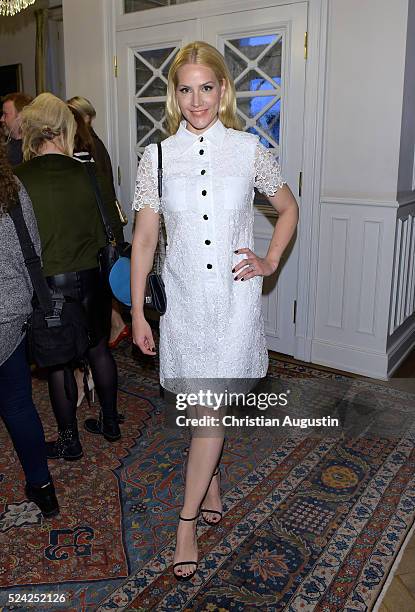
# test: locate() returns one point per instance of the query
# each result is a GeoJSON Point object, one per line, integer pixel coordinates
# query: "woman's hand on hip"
{"type": "Point", "coordinates": [143, 336]}
{"type": "Point", "coordinates": [252, 265]}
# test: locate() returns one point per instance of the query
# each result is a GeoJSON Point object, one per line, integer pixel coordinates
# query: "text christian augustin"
{"type": "Point", "coordinates": [261, 401]}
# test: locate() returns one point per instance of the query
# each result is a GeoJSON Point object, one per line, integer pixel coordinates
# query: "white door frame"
{"type": "Point", "coordinates": [308, 231]}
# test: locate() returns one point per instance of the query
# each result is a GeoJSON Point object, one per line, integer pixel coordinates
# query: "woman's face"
{"type": "Point", "coordinates": [198, 94]}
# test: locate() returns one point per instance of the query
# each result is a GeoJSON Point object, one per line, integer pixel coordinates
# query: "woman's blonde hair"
{"type": "Point", "coordinates": [47, 118]}
{"type": "Point", "coordinates": [83, 106]}
{"type": "Point", "coordinates": [201, 53]}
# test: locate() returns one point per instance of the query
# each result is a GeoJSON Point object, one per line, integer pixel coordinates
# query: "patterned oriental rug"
{"type": "Point", "coordinates": [310, 523]}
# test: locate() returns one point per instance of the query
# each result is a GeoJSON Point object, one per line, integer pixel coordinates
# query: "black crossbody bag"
{"type": "Point", "coordinates": [57, 329]}
{"type": "Point", "coordinates": [107, 255]}
{"type": "Point", "coordinates": [155, 293]}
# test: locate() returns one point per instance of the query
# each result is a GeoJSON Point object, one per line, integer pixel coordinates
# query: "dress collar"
{"type": "Point", "coordinates": [185, 139]}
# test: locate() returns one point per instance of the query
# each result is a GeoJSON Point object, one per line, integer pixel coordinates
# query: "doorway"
{"type": "Point", "coordinates": [264, 49]}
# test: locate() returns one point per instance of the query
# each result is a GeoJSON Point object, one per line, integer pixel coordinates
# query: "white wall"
{"type": "Point", "coordinates": [17, 45]}
{"type": "Point", "coordinates": [406, 163]}
{"type": "Point", "coordinates": [365, 73]}
{"type": "Point", "coordinates": [85, 65]}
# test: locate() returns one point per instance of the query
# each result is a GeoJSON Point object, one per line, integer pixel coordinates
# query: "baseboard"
{"type": "Point", "coordinates": [302, 348]}
{"type": "Point", "coordinates": [350, 359]}
{"type": "Point", "coordinates": [400, 348]}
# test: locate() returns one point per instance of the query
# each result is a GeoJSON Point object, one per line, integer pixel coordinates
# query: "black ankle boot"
{"type": "Point", "coordinates": [106, 426]}
{"type": "Point", "coordinates": [67, 446]}
{"type": "Point", "coordinates": [44, 497]}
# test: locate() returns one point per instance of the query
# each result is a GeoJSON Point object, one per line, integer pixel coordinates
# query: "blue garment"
{"type": "Point", "coordinates": [21, 418]}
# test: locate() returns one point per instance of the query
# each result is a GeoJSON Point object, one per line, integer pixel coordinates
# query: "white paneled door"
{"type": "Point", "coordinates": [143, 57]}
{"type": "Point", "coordinates": [264, 50]}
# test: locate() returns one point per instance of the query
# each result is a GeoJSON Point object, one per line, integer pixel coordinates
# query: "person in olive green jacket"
{"type": "Point", "coordinates": [71, 233]}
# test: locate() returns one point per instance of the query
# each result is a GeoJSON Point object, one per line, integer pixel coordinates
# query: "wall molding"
{"type": "Point", "coordinates": [360, 202]}
{"type": "Point", "coordinates": [373, 364]}
{"type": "Point", "coordinates": [309, 225]}
{"type": "Point", "coordinates": [400, 202]}
{"type": "Point", "coordinates": [406, 198]}
{"type": "Point", "coordinates": [188, 10]}
{"type": "Point", "coordinates": [111, 116]}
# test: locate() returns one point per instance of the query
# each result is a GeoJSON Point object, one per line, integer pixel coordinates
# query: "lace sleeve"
{"type": "Point", "coordinates": [146, 193]}
{"type": "Point", "coordinates": [267, 171]}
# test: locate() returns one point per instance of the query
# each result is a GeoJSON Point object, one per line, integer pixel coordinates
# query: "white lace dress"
{"type": "Point", "coordinates": [213, 327]}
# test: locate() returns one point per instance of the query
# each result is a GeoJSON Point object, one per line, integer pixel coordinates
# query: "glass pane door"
{"type": "Point", "coordinates": [150, 74]}
{"type": "Point", "coordinates": [264, 50]}
{"type": "Point", "coordinates": [144, 57]}
{"type": "Point", "coordinates": [255, 63]}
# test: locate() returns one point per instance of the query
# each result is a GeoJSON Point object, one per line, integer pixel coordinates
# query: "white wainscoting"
{"type": "Point", "coordinates": [401, 338]}
{"type": "Point", "coordinates": [355, 271]}
{"type": "Point", "coordinates": [403, 294]}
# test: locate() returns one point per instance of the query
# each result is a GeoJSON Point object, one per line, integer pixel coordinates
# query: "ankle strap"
{"type": "Point", "coordinates": [189, 519]}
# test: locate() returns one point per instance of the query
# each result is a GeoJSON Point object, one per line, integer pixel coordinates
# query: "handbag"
{"type": "Point", "coordinates": [155, 292]}
{"type": "Point", "coordinates": [120, 274]}
{"type": "Point", "coordinates": [57, 329]}
{"type": "Point", "coordinates": [110, 253]}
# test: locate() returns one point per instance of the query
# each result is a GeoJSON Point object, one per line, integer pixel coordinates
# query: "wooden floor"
{"type": "Point", "coordinates": [400, 595]}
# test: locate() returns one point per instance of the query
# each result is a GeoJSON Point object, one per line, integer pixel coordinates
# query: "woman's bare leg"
{"type": "Point", "coordinates": [204, 455]}
{"type": "Point", "coordinates": [79, 377]}
{"type": "Point", "coordinates": [117, 322]}
{"type": "Point", "coordinates": [212, 500]}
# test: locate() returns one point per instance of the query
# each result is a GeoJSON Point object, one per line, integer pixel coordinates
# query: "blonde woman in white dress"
{"type": "Point", "coordinates": [213, 327]}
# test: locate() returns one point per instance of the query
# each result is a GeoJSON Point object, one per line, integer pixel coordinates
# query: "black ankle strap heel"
{"type": "Point", "coordinates": [220, 514]}
{"type": "Point", "coordinates": [195, 563]}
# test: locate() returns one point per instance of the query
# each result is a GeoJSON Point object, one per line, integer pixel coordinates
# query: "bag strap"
{"type": "Point", "coordinates": [31, 259]}
{"type": "Point", "coordinates": [160, 169]}
{"type": "Point", "coordinates": [160, 193]}
{"type": "Point", "coordinates": [101, 206]}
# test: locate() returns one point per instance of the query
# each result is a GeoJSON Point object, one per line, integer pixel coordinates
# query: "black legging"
{"type": "Point", "coordinates": [87, 287]}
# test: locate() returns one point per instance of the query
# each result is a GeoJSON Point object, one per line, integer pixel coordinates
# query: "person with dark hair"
{"type": "Point", "coordinates": [16, 404]}
{"type": "Point", "coordinates": [85, 151]}
{"type": "Point", "coordinates": [13, 104]}
{"type": "Point", "coordinates": [84, 109]}
{"type": "Point", "coordinates": [84, 146]}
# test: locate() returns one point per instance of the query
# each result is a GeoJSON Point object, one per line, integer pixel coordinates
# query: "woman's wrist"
{"type": "Point", "coordinates": [273, 261]}
{"type": "Point", "coordinates": [137, 314]}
